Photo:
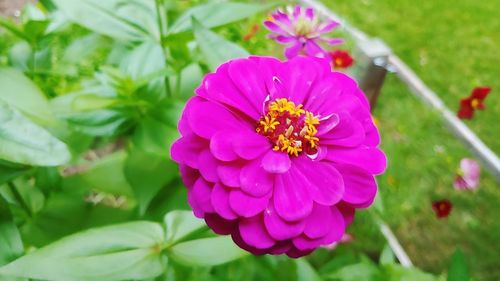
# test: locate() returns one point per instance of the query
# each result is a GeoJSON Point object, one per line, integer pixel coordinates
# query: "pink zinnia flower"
{"type": "Point", "coordinates": [302, 31]}
{"type": "Point", "coordinates": [278, 154]}
{"type": "Point", "coordinates": [467, 175]}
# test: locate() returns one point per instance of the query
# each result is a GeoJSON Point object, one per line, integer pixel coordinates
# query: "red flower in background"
{"type": "Point", "coordinates": [474, 101]}
{"type": "Point", "coordinates": [442, 208]}
{"type": "Point", "coordinates": [341, 59]}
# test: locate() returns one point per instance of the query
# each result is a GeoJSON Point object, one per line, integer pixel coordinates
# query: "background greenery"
{"type": "Point", "coordinates": [452, 46]}
{"type": "Point", "coordinates": [90, 97]}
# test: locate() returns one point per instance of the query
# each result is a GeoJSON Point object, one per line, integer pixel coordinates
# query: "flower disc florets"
{"type": "Point", "coordinates": [290, 128]}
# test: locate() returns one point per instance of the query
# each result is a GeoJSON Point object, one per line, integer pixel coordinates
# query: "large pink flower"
{"type": "Point", "coordinates": [278, 154]}
{"type": "Point", "coordinates": [302, 31]}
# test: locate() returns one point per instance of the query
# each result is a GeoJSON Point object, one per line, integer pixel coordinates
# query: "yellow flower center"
{"type": "Point", "coordinates": [289, 127]}
{"type": "Point", "coordinates": [474, 103]}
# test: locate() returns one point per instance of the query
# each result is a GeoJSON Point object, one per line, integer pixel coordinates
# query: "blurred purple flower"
{"type": "Point", "coordinates": [302, 32]}
{"type": "Point", "coordinates": [467, 175]}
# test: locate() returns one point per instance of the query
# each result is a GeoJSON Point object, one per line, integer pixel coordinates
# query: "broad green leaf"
{"type": "Point", "coordinates": [180, 224]}
{"type": "Point", "coordinates": [22, 94]}
{"type": "Point", "coordinates": [10, 242]}
{"type": "Point", "coordinates": [9, 171]}
{"type": "Point", "coordinates": [107, 175]}
{"type": "Point", "coordinates": [305, 272]}
{"type": "Point", "coordinates": [387, 256]}
{"type": "Point", "coordinates": [144, 60]}
{"type": "Point", "coordinates": [215, 49]}
{"type": "Point", "coordinates": [100, 17]}
{"type": "Point", "coordinates": [216, 14]}
{"type": "Point", "coordinates": [155, 137]}
{"type": "Point", "coordinates": [118, 252]}
{"type": "Point", "coordinates": [11, 246]}
{"type": "Point", "coordinates": [458, 270]}
{"type": "Point", "coordinates": [24, 142]}
{"type": "Point", "coordinates": [147, 174]}
{"type": "Point", "coordinates": [396, 272]}
{"type": "Point", "coordinates": [206, 251]}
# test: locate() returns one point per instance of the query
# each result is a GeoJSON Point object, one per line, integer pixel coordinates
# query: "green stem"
{"type": "Point", "coordinates": [19, 198]}
{"type": "Point", "coordinates": [162, 24]}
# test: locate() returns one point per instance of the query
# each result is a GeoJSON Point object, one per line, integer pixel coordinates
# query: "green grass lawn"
{"type": "Point", "coordinates": [453, 46]}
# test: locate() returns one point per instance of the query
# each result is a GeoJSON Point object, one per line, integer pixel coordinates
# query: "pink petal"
{"type": "Point", "coordinates": [255, 180]}
{"type": "Point", "coordinates": [274, 27]}
{"type": "Point", "coordinates": [319, 222]}
{"type": "Point", "coordinates": [280, 229]}
{"type": "Point", "coordinates": [276, 162]}
{"type": "Point", "coordinates": [245, 205]}
{"type": "Point", "coordinates": [218, 87]}
{"type": "Point", "coordinates": [323, 181]}
{"type": "Point", "coordinates": [360, 186]}
{"type": "Point", "coordinates": [299, 76]}
{"type": "Point", "coordinates": [186, 150]}
{"type": "Point", "coordinates": [293, 50]}
{"type": "Point", "coordinates": [250, 145]}
{"type": "Point", "coordinates": [335, 233]}
{"type": "Point", "coordinates": [314, 50]}
{"type": "Point", "coordinates": [370, 159]}
{"type": "Point", "coordinates": [247, 78]}
{"type": "Point", "coordinates": [220, 202]}
{"type": "Point", "coordinates": [292, 200]}
{"type": "Point", "coordinates": [207, 118]}
{"type": "Point", "coordinates": [208, 166]}
{"type": "Point", "coordinates": [253, 233]}
{"type": "Point", "coordinates": [200, 195]}
{"type": "Point", "coordinates": [328, 26]}
{"type": "Point", "coordinates": [310, 13]}
{"type": "Point", "coordinates": [221, 146]}
{"type": "Point", "coordinates": [189, 175]}
{"type": "Point", "coordinates": [219, 225]}
{"type": "Point", "coordinates": [229, 173]}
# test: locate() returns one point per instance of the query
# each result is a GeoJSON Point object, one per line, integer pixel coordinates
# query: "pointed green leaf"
{"type": "Point", "coordinates": [118, 252]}
{"type": "Point", "coordinates": [24, 142]}
{"type": "Point", "coordinates": [305, 272]}
{"type": "Point", "coordinates": [206, 251]}
{"type": "Point", "coordinates": [215, 14]}
{"type": "Point", "coordinates": [215, 48]}
{"type": "Point", "coordinates": [458, 270]}
{"type": "Point", "coordinates": [21, 93]}
{"type": "Point", "coordinates": [180, 224]}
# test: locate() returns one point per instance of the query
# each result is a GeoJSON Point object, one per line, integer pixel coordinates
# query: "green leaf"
{"type": "Point", "coordinates": [396, 272]}
{"type": "Point", "coordinates": [92, 102]}
{"type": "Point", "coordinates": [191, 77]}
{"type": "Point", "coordinates": [9, 171]}
{"type": "Point", "coordinates": [107, 175]}
{"type": "Point", "coordinates": [22, 94]}
{"type": "Point", "coordinates": [206, 251]}
{"type": "Point", "coordinates": [154, 136]}
{"type": "Point", "coordinates": [215, 14]}
{"type": "Point", "coordinates": [305, 272]}
{"type": "Point", "coordinates": [24, 142]}
{"type": "Point", "coordinates": [363, 271]}
{"type": "Point", "coordinates": [387, 256]}
{"type": "Point", "coordinates": [215, 48]}
{"type": "Point", "coordinates": [117, 252]}
{"type": "Point", "coordinates": [180, 224]}
{"type": "Point", "coordinates": [458, 270]}
{"type": "Point", "coordinates": [147, 174]}
{"type": "Point", "coordinates": [10, 242]}
{"type": "Point", "coordinates": [101, 17]}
